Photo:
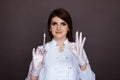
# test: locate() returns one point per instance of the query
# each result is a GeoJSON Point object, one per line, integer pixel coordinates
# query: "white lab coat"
{"type": "Point", "coordinates": [62, 66]}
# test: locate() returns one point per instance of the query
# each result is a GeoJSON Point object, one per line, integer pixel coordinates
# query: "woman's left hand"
{"type": "Point", "coordinates": [77, 47]}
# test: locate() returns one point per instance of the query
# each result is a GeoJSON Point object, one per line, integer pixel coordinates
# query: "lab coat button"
{"type": "Point", "coordinates": [66, 57]}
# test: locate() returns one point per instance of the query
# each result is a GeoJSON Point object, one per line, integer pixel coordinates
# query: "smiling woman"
{"type": "Point", "coordinates": [63, 16]}
{"type": "Point", "coordinates": [59, 28]}
{"type": "Point", "coordinates": [61, 59]}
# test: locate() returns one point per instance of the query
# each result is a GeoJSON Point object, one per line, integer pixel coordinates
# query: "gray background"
{"type": "Point", "coordinates": [23, 22]}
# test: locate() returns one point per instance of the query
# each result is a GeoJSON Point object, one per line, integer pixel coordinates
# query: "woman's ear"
{"type": "Point", "coordinates": [68, 29]}
{"type": "Point", "coordinates": [49, 29]}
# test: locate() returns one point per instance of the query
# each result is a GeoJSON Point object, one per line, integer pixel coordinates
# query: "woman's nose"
{"type": "Point", "coordinates": [58, 27]}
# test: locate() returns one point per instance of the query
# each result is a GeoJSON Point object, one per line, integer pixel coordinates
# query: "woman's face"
{"type": "Point", "coordinates": [58, 28]}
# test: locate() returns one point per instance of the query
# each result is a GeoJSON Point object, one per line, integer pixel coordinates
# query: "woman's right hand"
{"type": "Point", "coordinates": [38, 60]}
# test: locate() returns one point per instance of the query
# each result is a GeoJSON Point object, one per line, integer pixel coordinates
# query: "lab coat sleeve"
{"type": "Point", "coordinates": [28, 76]}
{"type": "Point", "coordinates": [87, 74]}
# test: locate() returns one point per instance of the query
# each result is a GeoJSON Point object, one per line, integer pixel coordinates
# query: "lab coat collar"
{"type": "Point", "coordinates": [65, 42]}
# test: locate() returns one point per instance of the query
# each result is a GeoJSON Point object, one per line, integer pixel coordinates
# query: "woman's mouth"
{"type": "Point", "coordinates": [59, 32]}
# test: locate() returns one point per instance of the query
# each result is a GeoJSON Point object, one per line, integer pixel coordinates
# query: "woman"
{"type": "Point", "coordinates": [61, 59]}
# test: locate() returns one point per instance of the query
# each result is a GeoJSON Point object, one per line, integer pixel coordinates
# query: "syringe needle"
{"type": "Point", "coordinates": [44, 37]}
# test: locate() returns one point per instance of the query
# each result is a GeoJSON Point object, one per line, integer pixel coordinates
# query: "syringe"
{"type": "Point", "coordinates": [44, 37]}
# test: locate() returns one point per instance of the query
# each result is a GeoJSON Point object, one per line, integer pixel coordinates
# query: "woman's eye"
{"type": "Point", "coordinates": [54, 23]}
{"type": "Point", "coordinates": [63, 23]}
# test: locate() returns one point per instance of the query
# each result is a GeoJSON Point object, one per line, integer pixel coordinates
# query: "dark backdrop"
{"type": "Point", "coordinates": [23, 22]}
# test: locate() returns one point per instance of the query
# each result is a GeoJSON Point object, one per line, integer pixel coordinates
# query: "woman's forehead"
{"type": "Point", "coordinates": [57, 19]}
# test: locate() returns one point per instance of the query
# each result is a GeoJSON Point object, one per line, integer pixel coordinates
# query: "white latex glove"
{"type": "Point", "coordinates": [37, 62]}
{"type": "Point", "coordinates": [77, 47]}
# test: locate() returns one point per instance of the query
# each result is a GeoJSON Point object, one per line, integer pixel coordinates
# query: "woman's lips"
{"type": "Point", "coordinates": [58, 32]}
